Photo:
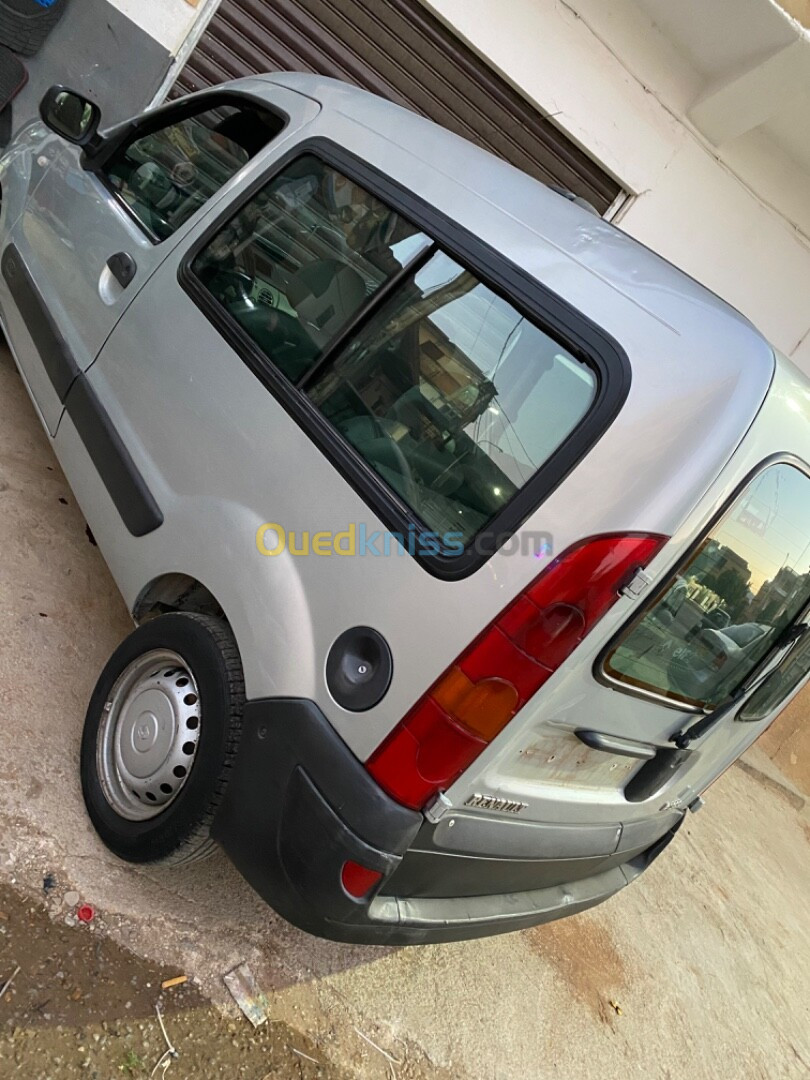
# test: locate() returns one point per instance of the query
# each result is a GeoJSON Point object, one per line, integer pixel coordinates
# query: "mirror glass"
{"type": "Point", "coordinates": [71, 115]}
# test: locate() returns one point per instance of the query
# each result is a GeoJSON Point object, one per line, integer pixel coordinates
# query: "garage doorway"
{"type": "Point", "coordinates": [398, 49]}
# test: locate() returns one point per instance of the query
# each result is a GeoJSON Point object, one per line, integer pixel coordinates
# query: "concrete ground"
{"type": "Point", "coordinates": [787, 741]}
{"type": "Point", "coordinates": [701, 968]}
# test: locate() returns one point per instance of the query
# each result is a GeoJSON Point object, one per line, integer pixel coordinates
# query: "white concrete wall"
{"type": "Point", "coordinates": [619, 88]}
{"type": "Point", "coordinates": [168, 21]}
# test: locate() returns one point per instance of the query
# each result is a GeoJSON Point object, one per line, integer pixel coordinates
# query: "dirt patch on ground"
{"type": "Point", "coordinates": [80, 1006]}
{"type": "Point", "coordinates": [584, 956]}
{"type": "Point", "coordinates": [787, 741]}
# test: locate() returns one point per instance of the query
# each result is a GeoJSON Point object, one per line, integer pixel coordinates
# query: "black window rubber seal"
{"type": "Point", "coordinates": [564, 323]}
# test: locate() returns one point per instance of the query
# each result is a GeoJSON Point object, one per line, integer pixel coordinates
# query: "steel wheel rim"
{"type": "Point", "coordinates": [148, 735]}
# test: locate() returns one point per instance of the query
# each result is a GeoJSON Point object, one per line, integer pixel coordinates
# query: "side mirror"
{"type": "Point", "coordinates": [70, 115]}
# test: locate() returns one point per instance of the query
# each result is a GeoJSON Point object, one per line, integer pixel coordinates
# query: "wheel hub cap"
{"type": "Point", "coordinates": [148, 736]}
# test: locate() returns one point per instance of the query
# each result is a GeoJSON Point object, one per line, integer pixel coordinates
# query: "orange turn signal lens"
{"type": "Point", "coordinates": [484, 707]}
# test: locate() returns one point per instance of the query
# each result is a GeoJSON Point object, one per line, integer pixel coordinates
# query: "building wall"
{"type": "Point", "coordinates": [168, 21]}
{"type": "Point", "coordinates": [620, 89]}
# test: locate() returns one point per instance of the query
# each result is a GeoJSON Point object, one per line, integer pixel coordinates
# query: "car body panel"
{"type": "Point", "coordinates": [68, 227]}
{"type": "Point", "coordinates": [221, 456]}
{"type": "Point", "coordinates": [167, 426]}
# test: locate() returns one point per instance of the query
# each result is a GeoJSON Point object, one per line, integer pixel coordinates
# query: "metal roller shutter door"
{"type": "Point", "coordinates": [398, 49]}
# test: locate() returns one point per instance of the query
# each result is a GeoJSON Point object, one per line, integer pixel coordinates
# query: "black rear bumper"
{"type": "Point", "coordinates": [299, 805]}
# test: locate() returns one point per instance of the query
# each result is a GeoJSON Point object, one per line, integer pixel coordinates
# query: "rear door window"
{"type": "Point", "coordinates": [780, 684]}
{"type": "Point", "coordinates": [301, 259]}
{"type": "Point", "coordinates": [446, 391]}
{"type": "Point", "coordinates": [453, 398]}
{"type": "Point", "coordinates": [728, 606]}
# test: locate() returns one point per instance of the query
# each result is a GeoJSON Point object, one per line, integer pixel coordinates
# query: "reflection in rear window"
{"type": "Point", "coordinates": [447, 391]}
{"type": "Point", "coordinates": [725, 610]}
{"type": "Point", "coordinates": [454, 398]}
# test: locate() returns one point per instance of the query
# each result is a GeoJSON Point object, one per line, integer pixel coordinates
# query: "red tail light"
{"type": "Point", "coordinates": [505, 666]}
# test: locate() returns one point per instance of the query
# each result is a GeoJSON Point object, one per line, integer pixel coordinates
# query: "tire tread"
{"type": "Point", "coordinates": [199, 844]}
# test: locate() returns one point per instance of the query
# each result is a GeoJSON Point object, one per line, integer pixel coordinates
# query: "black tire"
{"type": "Point", "coordinates": [181, 832]}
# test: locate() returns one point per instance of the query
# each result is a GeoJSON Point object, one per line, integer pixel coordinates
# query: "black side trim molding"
{"type": "Point", "coordinates": [133, 499]}
{"type": "Point", "coordinates": [57, 359]}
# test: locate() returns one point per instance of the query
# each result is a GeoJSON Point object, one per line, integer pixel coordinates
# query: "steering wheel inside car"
{"type": "Point", "coordinates": [279, 335]}
{"type": "Point", "coordinates": [229, 286]}
{"type": "Point", "coordinates": [373, 440]}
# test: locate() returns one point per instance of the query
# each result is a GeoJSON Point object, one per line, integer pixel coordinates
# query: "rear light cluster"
{"type": "Point", "coordinates": [505, 666]}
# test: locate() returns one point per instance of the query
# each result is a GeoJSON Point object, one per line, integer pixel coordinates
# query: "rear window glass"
{"type": "Point", "coordinates": [449, 393]}
{"type": "Point", "coordinates": [780, 684]}
{"type": "Point", "coordinates": [454, 398]}
{"type": "Point", "coordinates": [726, 609]}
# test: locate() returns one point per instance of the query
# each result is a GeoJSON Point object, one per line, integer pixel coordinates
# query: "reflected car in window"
{"type": "Point", "coordinates": [746, 584]}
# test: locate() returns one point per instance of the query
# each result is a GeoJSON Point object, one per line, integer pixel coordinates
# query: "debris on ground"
{"type": "Point", "coordinates": [391, 1061]}
{"type": "Point", "coordinates": [246, 993]}
{"type": "Point", "coordinates": [48, 881]}
{"type": "Point", "coordinates": [86, 913]}
{"type": "Point", "coordinates": [389, 1057]}
{"type": "Point", "coordinates": [306, 1057]}
{"type": "Point", "coordinates": [616, 1007]}
{"type": "Point", "coordinates": [10, 980]}
{"type": "Point", "coordinates": [86, 1006]}
{"type": "Point", "coordinates": [178, 980]}
{"type": "Point", "coordinates": [170, 1053]}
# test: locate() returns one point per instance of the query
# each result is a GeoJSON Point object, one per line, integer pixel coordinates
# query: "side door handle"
{"type": "Point", "coordinates": [122, 267]}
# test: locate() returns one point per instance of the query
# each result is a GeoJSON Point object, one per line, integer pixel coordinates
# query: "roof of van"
{"type": "Point", "coordinates": [433, 158]}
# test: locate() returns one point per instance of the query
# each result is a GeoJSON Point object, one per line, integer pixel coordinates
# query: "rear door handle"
{"type": "Point", "coordinates": [122, 267]}
{"type": "Point", "coordinates": [613, 744]}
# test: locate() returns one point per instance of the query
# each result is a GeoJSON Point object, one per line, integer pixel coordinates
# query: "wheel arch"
{"type": "Point", "coordinates": [175, 592]}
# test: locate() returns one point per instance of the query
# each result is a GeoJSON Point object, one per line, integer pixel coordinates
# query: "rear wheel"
{"type": "Point", "coordinates": [160, 737]}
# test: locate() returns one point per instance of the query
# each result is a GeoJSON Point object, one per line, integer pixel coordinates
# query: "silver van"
{"type": "Point", "coordinates": [467, 541]}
